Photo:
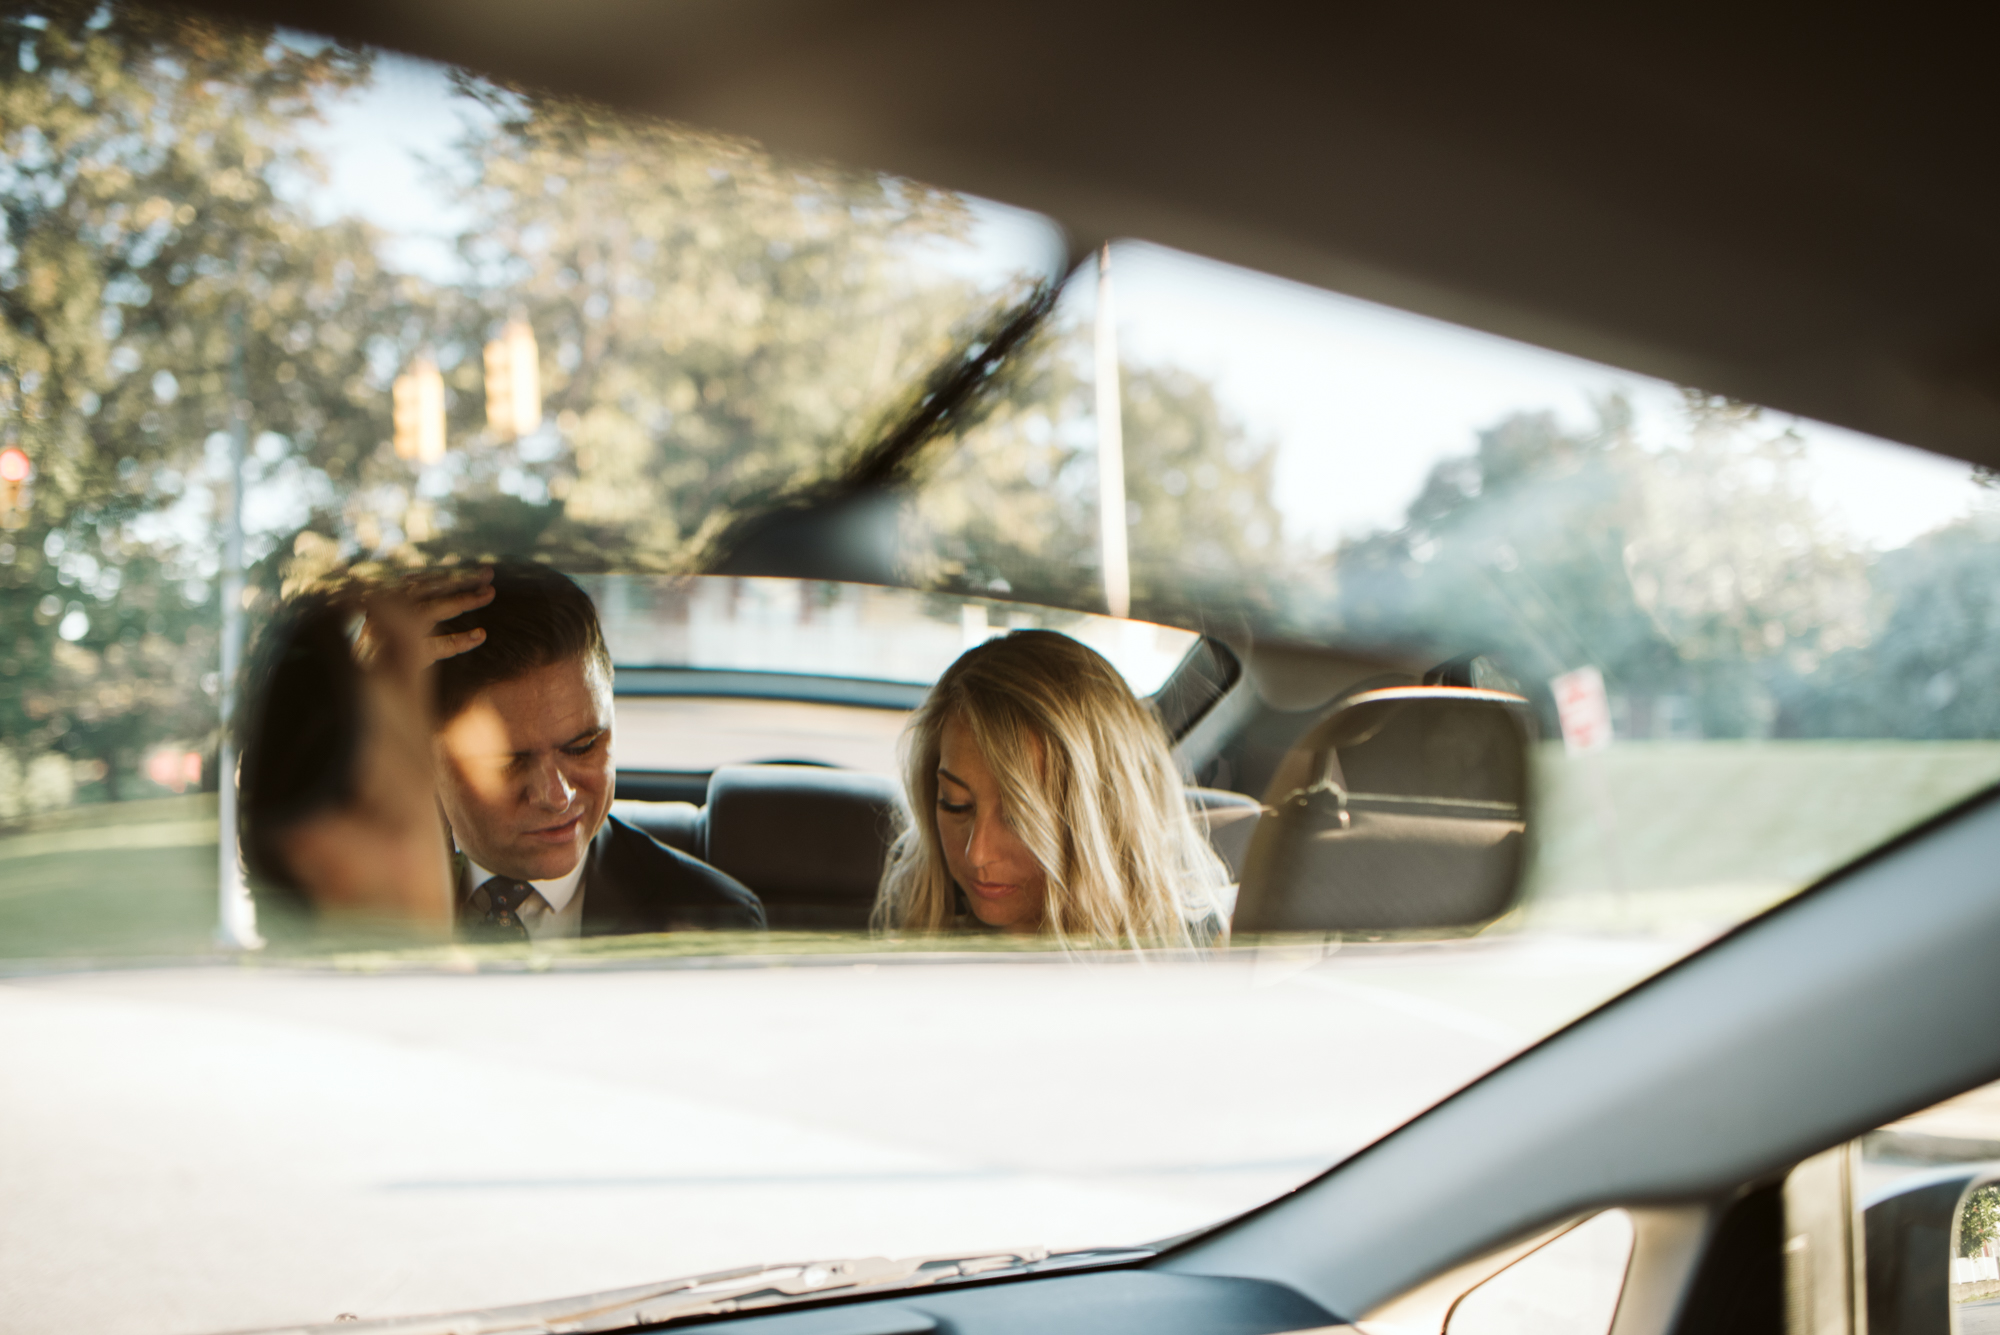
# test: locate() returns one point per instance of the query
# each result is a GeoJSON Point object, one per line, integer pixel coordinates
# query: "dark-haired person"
{"type": "Point", "coordinates": [483, 694]}
{"type": "Point", "coordinates": [522, 755]}
{"type": "Point", "coordinates": [336, 814]}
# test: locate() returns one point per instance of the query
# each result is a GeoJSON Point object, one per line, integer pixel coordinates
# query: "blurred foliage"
{"type": "Point", "coordinates": [718, 328]}
{"type": "Point", "coordinates": [1011, 506]}
{"type": "Point", "coordinates": [1978, 1220]}
{"type": "Point", "coordinates": [716, 325]}
{"type": "Point", "coordinates": [1699, 575]}
{"type": "Point", "coordinates": [1203, 528]}
{"type": "Point", "coordinates": [1926, 667]}
{"type": "Point", "coordinates": [713, 324]}
{"type": "Point", "coordinates": [147, 239]}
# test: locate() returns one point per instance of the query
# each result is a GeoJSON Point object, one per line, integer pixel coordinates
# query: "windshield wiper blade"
{"type": "Point", "coordinates": [775, 1286]}
{"type": "Point", "coordinates": [721, 1293]}
{"type": "Point", "coordinates": [842, 526]}
{"type": "Point", "coordinates": [783, 1285]}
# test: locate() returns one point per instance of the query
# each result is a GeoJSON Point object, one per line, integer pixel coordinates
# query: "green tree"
{"type": "Point", "coordinates": [1933, 638]}
{"type": "Point", "coordinates": [719, 327]}
{"type": "Point", "coordinates": [1515, 550]}
{"type": "Point", "coordinates": [1008, 505]}
{"type": "Point", "coordinates": [716, 324]}
{"type": "Point", "coordinates": [1011, 504]}
{"type": "Point", "coordinates": [1978, 1220]}
{"type": "Point", "coordinates": [1738, 567]}
{"type": "Point", "coordinates": [1203, 527]}
{"type": "Point", "coordinates": [147, 161]}
{"type": "Point", "coordinates": [1698, 568]}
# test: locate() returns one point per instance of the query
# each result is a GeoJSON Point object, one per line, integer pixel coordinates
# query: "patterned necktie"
{"type": "Point", "coordinates": [502, 918]}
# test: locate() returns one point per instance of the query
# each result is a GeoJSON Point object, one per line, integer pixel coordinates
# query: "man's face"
{"type": "Point", "coordinates": [525, 773]}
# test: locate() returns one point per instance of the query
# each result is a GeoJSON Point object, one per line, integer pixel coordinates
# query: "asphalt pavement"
{"type": "Point", "coordinates": [203, 1149]}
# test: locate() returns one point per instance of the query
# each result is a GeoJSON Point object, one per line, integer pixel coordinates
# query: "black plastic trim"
{"type": "Point", "coordinates": [1196, 686]}
{"type": "Point", "coordinates": [1102, 1302]}
{"type": "Point", "coordinates": [860, 692]}
{"type": "Point", "coordinates": [663, 785]}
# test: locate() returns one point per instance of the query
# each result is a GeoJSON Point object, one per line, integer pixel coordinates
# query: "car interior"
{"type": "Point", "coordinates": [839, 823]}
{"type": "Point", "coordinates": [1749, 1122]}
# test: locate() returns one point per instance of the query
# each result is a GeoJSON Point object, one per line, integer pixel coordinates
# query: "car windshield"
{"type": "Point", "coordinates": [280, 312]}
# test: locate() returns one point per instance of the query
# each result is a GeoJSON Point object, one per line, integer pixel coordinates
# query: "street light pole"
{"type": "Point", "coordinates": [1111, 522]}
{"type": "Point", "coordinates": [236, 915]}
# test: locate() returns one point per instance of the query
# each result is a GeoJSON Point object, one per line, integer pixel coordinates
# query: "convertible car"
{"type": "Point", "coordinates": [1536, 468]}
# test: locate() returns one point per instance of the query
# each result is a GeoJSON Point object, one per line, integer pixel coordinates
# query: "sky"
{"type": "Point", "coordinates": [1359, 399]}
{"type": "Point", "coordinates": [384, 150]}
{"type": "Point", "coordinates": [1362, 399]}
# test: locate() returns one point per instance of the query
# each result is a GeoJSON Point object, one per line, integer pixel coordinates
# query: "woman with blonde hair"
{"type": "Point", "coordinates": [1044, 799]}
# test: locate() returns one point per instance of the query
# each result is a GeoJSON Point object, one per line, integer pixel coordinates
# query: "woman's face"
{"type": "Point", "coordinates": [1000, 877]}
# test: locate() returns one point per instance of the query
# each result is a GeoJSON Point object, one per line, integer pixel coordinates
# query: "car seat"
{"type": "Point", "coordinates": [812, 841]}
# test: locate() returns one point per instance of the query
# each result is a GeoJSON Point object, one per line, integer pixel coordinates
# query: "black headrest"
{"type": "Point", "coordinates": [801, 833]}
{"type": "Point", "coordinates": [675, 824]}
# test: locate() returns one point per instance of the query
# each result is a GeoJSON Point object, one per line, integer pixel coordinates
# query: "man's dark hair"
{"type": "Point", "coordinates": [298, 735]}
{"type": "Point", "coordinates": [538, 616]}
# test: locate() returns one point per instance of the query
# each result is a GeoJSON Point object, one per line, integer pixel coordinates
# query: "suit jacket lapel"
{"type": "Point", "coordinates": [606, 899]}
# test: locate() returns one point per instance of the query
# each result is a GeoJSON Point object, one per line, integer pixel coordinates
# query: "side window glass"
{"type": "Point", "coordinates": [1569, 1286]}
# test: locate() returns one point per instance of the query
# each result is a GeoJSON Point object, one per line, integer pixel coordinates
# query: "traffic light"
{"type": "Point", "coordinates": [15, 470]}
{"type": "Point", "coordinates": [418, 396]}
{"type": "Point", "coordinates": [513, 382]}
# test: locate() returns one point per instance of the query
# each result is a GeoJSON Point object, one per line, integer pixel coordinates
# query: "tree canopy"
{"type": "Point", "coordinates": [1011, 504]}
{"type": "Point", "coordinates": [1978, 1220]}
{"type": "Point", "coordinates": [718, 327]}
{"type": "Point", "coordinates": [149, 243]}
{"type": "Point", "coordinates": [1697, 572]}
{"type": "Point", "coordinates": [715, 327]}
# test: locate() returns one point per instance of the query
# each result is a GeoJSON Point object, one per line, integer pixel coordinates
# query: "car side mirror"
{"type": "Point", "coordinates": [1404, 808]}
{"type": "Point", "coordinates": [1926, 1239]}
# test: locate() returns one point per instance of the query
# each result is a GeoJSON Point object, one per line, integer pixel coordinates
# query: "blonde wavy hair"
{"type": "Point", "coordinates": [1089, 785]}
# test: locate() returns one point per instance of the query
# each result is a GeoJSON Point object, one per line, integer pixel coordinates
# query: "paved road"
{"type": "Point", "coordinates": [204, 1149]}
{"type": "Point", "coordinates": [1981, 1318]}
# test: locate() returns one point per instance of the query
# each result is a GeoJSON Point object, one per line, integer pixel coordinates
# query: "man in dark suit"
{"type": "Point", "coordinates": [523, 759]}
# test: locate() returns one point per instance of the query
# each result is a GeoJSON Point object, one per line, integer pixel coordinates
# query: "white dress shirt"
{"type": "Point", "coordinates": [554, 910]}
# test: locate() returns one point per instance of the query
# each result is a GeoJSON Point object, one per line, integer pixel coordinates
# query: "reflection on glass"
{"type": "Point", "coordinates": [856, 631]}
{"type": "Point", "coordinates": [1975, 1261]}
{"type": "Point", "coordinates": [1798, 660]}
{"type": "Point", "coordinates": [699, 323]}
{"type": "Point", "coordinates": [1786, 615]}
{"type": "Point", "coordinates": [699, 733]}
{"type": "Point", "coordinates": [1793, 624]}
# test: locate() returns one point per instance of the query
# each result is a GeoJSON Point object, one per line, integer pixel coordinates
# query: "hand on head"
{"type": "Point", "coordinates": [358, 744]}
{"type": "Point", "coordinates": [338, 806]}
{"type": "Point", "coordinates": [430, 598]}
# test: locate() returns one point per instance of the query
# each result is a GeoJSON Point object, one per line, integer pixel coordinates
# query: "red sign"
{"type": "Point", "coordinates": [178, 770]}
{"type": "Point", "coordinates": [1584, 709]}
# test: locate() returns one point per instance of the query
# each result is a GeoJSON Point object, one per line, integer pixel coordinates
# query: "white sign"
{"type": "Point", "coordinates": [1584, 709]}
